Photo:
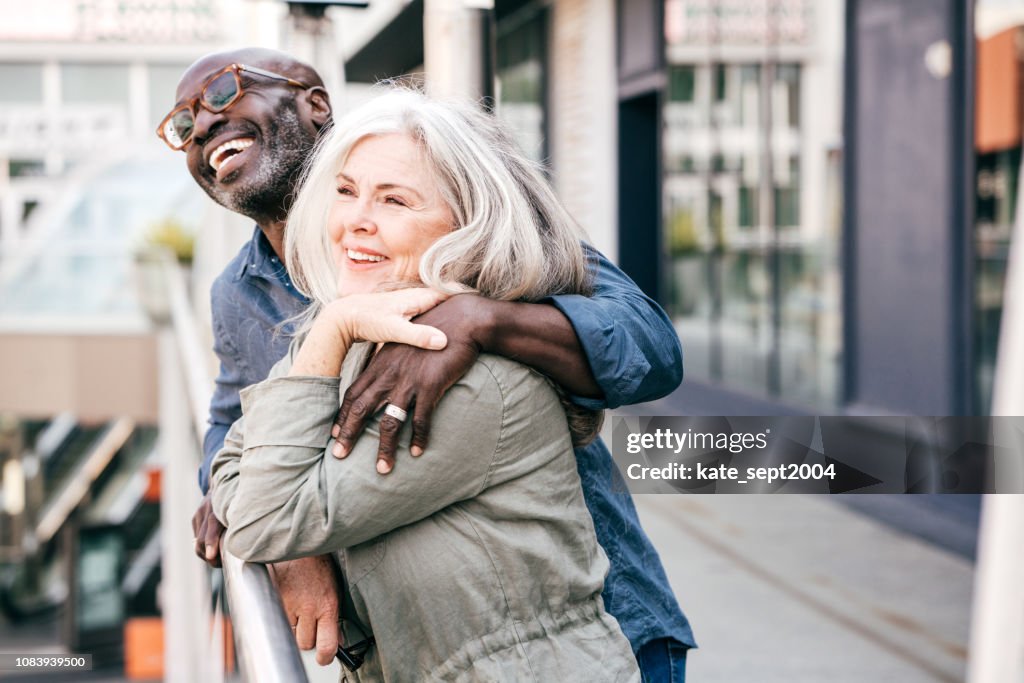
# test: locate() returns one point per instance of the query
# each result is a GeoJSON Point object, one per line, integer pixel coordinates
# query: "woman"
{"type": "Point", "coordinates": [478, 561]}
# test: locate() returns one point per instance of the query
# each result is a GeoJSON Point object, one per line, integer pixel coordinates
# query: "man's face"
{"type": "Point", "coordinates": [248, 157]}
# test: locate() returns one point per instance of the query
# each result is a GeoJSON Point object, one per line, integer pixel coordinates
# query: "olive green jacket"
{"type": "Point", "coordinates": [475, 562]}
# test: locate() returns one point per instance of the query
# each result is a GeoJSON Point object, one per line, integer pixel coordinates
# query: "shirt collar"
{"type": "Point", "coordinates": [261, 262]}
{"type": "Point", "coordinates": [260, 259]}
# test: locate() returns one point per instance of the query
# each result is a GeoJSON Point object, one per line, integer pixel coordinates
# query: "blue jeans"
{"type": "Point", "coordinates": [662, 661]}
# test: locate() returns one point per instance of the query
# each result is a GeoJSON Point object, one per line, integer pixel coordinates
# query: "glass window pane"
{"type": "Point", "coordinates": [682, 81]}
{"type": "Point", "coordinates": [995, 205]}
{"type": "Point", "coordinates": [721, 82]}
{"type": "Point", "coordinates": [749, 207]}
{"type": "Point", "coordinates": [94, 83]}
{"type": "Point", "coordinates": [163, 81]}
{"type": "Point", "coordinates": [689, 271]}
{"type": "Point", "coordinates": [745, 325]}
{"type": "Point", "coordinates": [520, 74]}
{"type": "Point", "coordinates": [788, 75]}
{"type": "Point", "coordinates": [753, 284]}
{"type": "Point", "coordinates": [21, 83]}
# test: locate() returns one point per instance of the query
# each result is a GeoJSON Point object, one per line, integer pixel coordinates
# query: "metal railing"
{"type": "Point", "coordinates": [263, 638]}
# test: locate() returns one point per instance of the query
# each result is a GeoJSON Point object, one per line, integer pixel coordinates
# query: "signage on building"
{"type": "Point", "coordinates": [738, 22]}
{"type": "Point", "coordinates": [111, 21]}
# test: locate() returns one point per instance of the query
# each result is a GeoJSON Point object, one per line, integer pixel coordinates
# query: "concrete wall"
{"type": "Point", "coordinates": [96, 377]}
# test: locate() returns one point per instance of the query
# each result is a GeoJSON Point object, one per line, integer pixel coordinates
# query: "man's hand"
{"type": "Point", "coordinates": [309, 593]}
{"type": "Point", "coordinates": [413, 379]}
{"type": "Point", "coordinates": [208, 531]}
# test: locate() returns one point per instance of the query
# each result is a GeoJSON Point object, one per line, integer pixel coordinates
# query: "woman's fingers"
{"type": "Point", "coordinates": [404, 332]}
{"type": "Point", "coordinates": [419, 299]}
{"type": "Point", "coordinates": [384, 317]}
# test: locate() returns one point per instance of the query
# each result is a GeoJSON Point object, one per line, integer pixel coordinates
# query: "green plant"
{"type": "Point", "coordinates": [173, 235]}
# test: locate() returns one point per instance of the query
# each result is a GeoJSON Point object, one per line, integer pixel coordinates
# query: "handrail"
{"type": "Point", "coordinates": [266, 643]}
{"type": "Point", "coordinates": [264, 639]}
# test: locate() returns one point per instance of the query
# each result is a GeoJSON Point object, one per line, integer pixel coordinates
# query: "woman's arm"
{"type": "Point", "coordinates": [631, 347]}
{"type": "Point", "coordinates": [292, 498]}
{"type": "Point", "coordinates": [371, 317]}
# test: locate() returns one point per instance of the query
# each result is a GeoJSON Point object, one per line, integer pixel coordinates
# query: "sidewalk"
{"type": "Point", "coordinates": [795, 589]}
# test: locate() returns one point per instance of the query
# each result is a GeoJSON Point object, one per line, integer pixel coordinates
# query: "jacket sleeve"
{"type": "Point", "coordinates": [289, 497]}
{"type": "Point", "coordinates": [633, 350]}
{"type": "Point", "coordinates": [224, 466]}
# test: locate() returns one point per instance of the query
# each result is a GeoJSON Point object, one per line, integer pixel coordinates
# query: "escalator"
{"type": "Point", "coordinates": [90, 556]}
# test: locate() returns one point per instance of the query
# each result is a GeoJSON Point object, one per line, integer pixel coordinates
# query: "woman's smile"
{"type": "Point", "coordinates": [364, 258]}
{"type": "Point", "coordinates": [387, 212]}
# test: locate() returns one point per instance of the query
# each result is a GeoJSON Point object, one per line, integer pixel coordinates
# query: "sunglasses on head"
{"type": "Point", "coordinates": [218, 93]}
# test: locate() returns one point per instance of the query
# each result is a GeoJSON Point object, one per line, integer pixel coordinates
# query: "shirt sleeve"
{"type": "Point", "coordinates": [283, 495]}
{"type": "Point", "coordinates": [630, 343]}
{"type": "Point", "coordinates": [225, 405]}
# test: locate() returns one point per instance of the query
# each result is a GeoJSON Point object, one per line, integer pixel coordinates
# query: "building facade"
{"type": "Point", "coordinates": [793, 181]}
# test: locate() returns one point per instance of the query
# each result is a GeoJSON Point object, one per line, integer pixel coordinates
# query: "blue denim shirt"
{"type": "Point", "coordinates": [633, 352]}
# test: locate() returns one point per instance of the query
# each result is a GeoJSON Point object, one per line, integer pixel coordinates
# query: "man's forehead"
{"type": "Point", "coordinates": [209, 65]}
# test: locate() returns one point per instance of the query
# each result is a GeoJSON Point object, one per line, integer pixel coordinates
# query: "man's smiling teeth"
{"type": "Point", "coordinates": [360, 256]}
{"type": "Point", "coordinates": [220, 155]}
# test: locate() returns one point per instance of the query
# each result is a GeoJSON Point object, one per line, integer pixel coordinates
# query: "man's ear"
{"type": "Point", "coordinates": [319, 106]}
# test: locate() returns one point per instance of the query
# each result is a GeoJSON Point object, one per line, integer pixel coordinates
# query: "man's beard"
{"type": "Point", "coordinates": [265, 194]}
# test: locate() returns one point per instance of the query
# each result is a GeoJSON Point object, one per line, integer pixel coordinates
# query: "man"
{"type": "Point", "coordinates": [247, 120]}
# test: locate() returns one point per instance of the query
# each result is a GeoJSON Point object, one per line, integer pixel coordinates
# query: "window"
{"type": "Point", "coordinates": [21, 83]}
{"type": "Point", "coordinates": [163, 81]}
{"type": "Point", "coordinates": [521, 65]}
{"type": "Point", "coordinates": [752, 280]}
{"type": "Point", "coordinates": [94, 83]}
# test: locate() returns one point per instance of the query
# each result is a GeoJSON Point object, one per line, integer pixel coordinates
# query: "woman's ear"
{"type": "Point", "coordinates": [319, 106]}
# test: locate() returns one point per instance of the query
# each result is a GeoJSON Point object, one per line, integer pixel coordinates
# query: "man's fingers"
{"type": "Point", "coordinates": [326, 639]}
{"type": "Point", "coordinates": [305, 633]}
{"type": "Point", "coordinates": [390, 427]}
{"type": "Point", "coordinates": [360, 404]}
{"type": "Point", "coordinates": [211, 539]}
{"type": "Point", "coordinates": [200, 538]}
{"type": "Point", "coordinates": [424, 411]}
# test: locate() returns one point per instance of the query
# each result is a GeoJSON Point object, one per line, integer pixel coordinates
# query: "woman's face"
{"type": "Point", "coordinates": [388, 210]}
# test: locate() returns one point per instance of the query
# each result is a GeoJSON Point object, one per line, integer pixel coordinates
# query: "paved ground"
{"type": "Point", "coordinates": [803, 588]}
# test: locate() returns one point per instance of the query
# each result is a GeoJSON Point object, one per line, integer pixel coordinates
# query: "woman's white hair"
{"type": "Point", "coordinates": [512, 239]}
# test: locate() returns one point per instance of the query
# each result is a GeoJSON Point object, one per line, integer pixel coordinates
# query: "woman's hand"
{"type": "Point", "coordinates": [377, 317]}
{"type": "Point", "coordinates": [384, 317]}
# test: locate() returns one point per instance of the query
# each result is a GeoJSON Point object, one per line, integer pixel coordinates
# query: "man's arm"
{"type": "Point", "coordinates": [631, 346]}
{"type": "Point", "coordinates": [613, 348]}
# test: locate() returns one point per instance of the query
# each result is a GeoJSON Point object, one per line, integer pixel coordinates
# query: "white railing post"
{"type": "Point", "coordinates": [184, 596]}
{"type": "Point", "coordinates": [997, 624]}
